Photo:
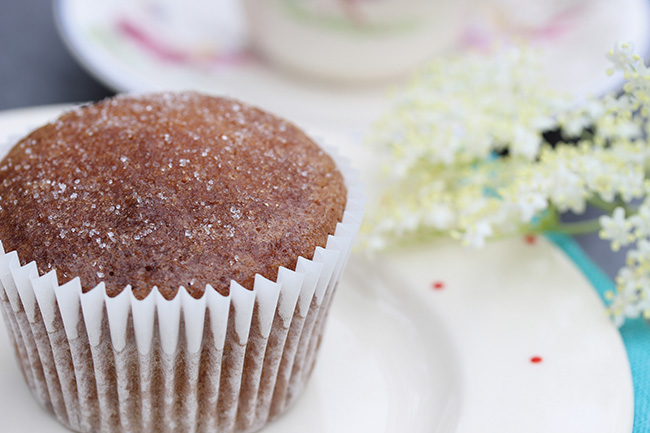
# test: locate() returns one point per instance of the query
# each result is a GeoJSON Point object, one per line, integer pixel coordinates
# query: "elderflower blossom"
{"type": "Point", "coordinates": [616, 229]}
{"type": "Point", "coordinates": [622, 57]}
{"type": "Point", "coordinates": [457, 110]}
{"type": "Point", "coordinates": [454, 113]}
{"type": "Point", "coordinates": [465, 154]}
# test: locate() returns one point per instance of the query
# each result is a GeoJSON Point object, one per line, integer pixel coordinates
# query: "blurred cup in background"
{"type": "Point", "coordinates": [353, 41]}
{"type": "Point", "coordinates": [534, 14]}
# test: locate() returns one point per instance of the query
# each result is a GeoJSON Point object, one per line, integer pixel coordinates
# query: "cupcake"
{"type": "Point", "coordinates": [167, 262]}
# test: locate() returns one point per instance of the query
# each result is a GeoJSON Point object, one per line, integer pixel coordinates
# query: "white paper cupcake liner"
{"type": "Point", "coordinates": [214, 364]}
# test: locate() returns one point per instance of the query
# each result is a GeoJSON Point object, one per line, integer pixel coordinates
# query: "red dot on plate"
{"type": "Point", "coordinates": [530, 239]}
{"type": "Point", "coordinates": [536, 359]}
{"type": "Point", "coordinates": [438, 285]}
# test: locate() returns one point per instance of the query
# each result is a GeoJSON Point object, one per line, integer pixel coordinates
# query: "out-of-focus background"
{"type": "Point", "coordinates": [37, 68]}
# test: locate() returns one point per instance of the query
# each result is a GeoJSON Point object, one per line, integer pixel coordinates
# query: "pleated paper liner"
{"type": "Point", "coordinates": [213, 364]}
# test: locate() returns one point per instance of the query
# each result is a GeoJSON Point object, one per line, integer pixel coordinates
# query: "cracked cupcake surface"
{"type": "Point", "coordinates": [167, 190]}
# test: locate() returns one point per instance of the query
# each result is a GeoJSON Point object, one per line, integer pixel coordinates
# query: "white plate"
{"type": "Point", "coordinates": [573, 54]}
{"type": "Point", "coordinates": [402, 355]}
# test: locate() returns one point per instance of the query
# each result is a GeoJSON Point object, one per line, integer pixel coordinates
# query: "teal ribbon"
{"type": "Point", "coordinates": [635, 333]}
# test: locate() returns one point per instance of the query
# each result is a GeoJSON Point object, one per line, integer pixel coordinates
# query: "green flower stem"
{"type": "Point", "coordinates": [602, 204]}
{"type": "Point", "coordinates": [578, 228]}
{"type": "Point", "coordinates": [550, 222]}
{"type": "Point", "coordinates": [609, 207]}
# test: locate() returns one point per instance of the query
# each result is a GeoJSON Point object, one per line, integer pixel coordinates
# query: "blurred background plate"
{"type": "Point", "coordinates": [123, 44]}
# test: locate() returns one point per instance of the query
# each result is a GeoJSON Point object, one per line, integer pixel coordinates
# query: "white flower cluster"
{"type": "Point", "coordinates": [454, 113]}
{"type": "Point", "coordinates": [463, 108]}
{"type": "Point", "coordinates": [632, 297]}
{"type": "Point", "coordinates": [465, 155]}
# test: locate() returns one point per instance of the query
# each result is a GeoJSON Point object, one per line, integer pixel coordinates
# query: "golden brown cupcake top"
{"type": "Point", "coordinates": [167, 190]}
